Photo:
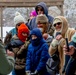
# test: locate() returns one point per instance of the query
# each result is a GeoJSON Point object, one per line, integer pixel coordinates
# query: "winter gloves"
{"type": "Point", "coordinates": [54, 44]}
{"type": "Point", "coordinates": [35, 73]}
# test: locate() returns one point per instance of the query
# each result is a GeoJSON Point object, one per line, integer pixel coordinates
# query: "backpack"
{"type": "Point", "coordinates": [52, 65]}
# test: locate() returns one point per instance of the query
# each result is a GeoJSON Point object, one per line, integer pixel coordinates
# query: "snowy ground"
{"type": "Point", "coordinates": [10, 73]}
{"type": "Point", "coordinates": [6, 29]}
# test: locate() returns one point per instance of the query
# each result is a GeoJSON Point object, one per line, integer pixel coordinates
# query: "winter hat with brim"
{"type": "Point", "coordinates": [23, 29]}
{"type": "Point", "coordinates": [41, 18]}
{"type": "Point", "coordinates": [56, 20]}
{"type": "Point", "coordinates": [18, 18]}
{"type": "Point", "coordinates": [73, 42]}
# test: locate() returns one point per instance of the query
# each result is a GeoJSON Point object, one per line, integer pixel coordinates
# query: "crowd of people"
{"type": "Point", "coordinates": [39, 46]}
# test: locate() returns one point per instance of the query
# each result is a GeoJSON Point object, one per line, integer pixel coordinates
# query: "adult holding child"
{"type": "Point", "coordinates": [41, 8]}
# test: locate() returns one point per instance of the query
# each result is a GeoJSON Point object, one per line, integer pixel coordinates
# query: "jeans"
{"type": "Point", "coordinates": [71, 67]}
{"type": "Point", "coordinates": [66, 61]}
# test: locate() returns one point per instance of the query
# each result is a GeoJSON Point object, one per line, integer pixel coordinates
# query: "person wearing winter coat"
{"type": "Point", "coordinates": [41, 8]}
{"type": "Point", "coordinates": [37, 54]}
{"type": "Point", "coordinates": [19, 46]}
{"type": "Point", "coordinates": [33, 14]}
{"type": "Point", "coordinates": [6, 61]}
{"type": "Point", "coordinates": [71, 66]}
{"type": "Point", "coordinates": [42, 24]}
{"type": "Point", "coordinates": [18, 20]}
{"type": "Point", "coordinates": [60, 24]}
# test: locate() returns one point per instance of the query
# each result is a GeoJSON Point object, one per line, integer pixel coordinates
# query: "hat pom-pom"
{"type": "Point", "coordinates": [17, 13]}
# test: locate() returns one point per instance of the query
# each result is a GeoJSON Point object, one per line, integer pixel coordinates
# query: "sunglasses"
{"type": "Point", "coordinates": [57, 24]}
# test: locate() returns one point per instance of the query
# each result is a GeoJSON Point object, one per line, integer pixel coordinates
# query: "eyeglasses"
{"type": "Point", "coordinates": [57, 24]}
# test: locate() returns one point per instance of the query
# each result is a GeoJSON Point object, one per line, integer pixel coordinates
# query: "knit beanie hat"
{"type": "Point", "coordinates": [18, 18]}
{"type": "Point", "coordinates": [33, 13]}
{"type": "Point", "coordinates": [23, 29]}
{"type": "Point", "coordinates": [41, 18]}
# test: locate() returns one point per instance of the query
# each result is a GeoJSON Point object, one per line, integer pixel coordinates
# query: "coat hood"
{"type": "Point", "coordinates": [43, 5]}
{"type": "Point", "coordinates": [36, 32]}
{"type": "Point", "coordinates": [39, 39]}
{"type": "Point", "coordinates": [64, 21]}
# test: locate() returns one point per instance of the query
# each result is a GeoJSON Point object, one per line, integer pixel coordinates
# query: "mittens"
{"type": "Point", "coordinates": [54, 44]}
{"type": "Point", "coordinates": [35, 73]}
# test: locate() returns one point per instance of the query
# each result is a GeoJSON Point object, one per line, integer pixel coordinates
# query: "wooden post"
{"type": "Point", "coordinates": [1, 33]}
{"type": "Point", "coordinates": [61, 9]}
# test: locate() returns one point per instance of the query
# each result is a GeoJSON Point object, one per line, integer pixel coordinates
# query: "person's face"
{"type": "Point", "coordinates": [33, 37]}
{"type": "Point", "coordinates": [42, 27]}
{"type": "Point", "coordinates": [17, 25]}
{"type": "Point", "coordinates": [24, 34]}
{"type": "Point", "coordinates": [58, 26]}
{"type": "Point", "coordinates": [40, 10]}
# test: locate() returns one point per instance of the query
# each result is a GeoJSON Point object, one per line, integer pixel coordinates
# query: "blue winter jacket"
{"type": "Point", "coordinates": [32, 24]}
{"type": "Point", "coordinates": [37, 54]}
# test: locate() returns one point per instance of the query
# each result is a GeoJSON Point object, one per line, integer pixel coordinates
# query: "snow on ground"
{"type": "Point", "coordinates": [10, 73]}
{"type": "Point", "coordinates": [6, 29]}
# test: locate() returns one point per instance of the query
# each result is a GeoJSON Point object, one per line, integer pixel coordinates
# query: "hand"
{"type": "Point", "coordinates": [58, 37]}
{"type": "Point", "coordinates": [28, 73]}
{"type": "Point", "coordinates": [71, 50]}
{"type": "Point", "coordinates": [45, 36]}
{"type": "Point", "coordinates": [10, 53]}
{"type": "Point", "coordinates": [35, 73]}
